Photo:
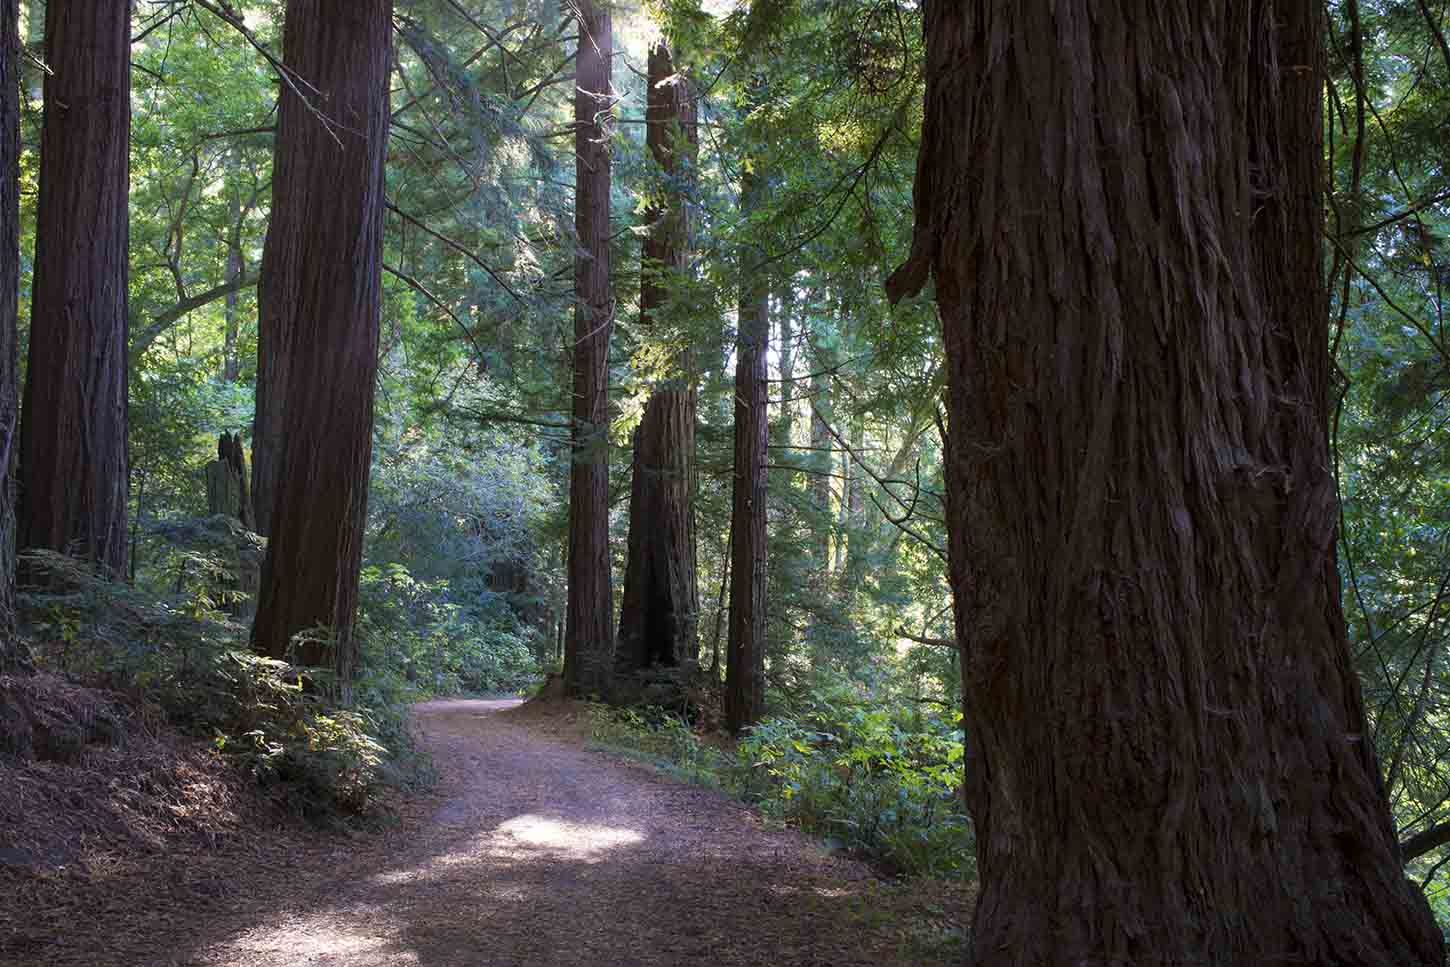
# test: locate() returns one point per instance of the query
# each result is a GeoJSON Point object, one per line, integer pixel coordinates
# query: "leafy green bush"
{"type": "Point", "coordinates": [660, 737]}
{"type": "Point", "coordinates": [410, 626]}
{"type": "Point", "coordinates": [187, 663]}
{"type": "Point", "coordinates": [882, 780]}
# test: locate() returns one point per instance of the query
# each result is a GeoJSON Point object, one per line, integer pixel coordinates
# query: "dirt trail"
{"type": "Point", "coordinates": [532, 852]}
{"type": "Point", "coordinates": [541, 853]}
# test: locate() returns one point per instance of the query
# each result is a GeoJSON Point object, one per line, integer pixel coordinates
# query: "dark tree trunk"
{"type": "Point", "coordinates": [589, 641]}
{"type": "Point", "coordinates": [13, 657]}
{"type": "Point", "coordinates": [745, 653]}
{"type": "Point", "coordinates": [322, 267]}
{"type": "Point", "coordinates": [1168, 760]}
{"type": "Point", "coordinates": [659, 615]}
{"type": "Point", "coordinates": [73, 422]}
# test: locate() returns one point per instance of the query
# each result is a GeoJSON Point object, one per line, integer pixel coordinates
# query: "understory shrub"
{"type": "Point", "coordinates": [409, 626]}
{"type": "Point", "coordinates": [883, 780]}
{"type": "Point", "coordinates": [185, 662]}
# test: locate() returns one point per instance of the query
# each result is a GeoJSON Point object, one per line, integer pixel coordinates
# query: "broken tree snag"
{"type": "Point", "coordinates": [228, 496]}
{"type": "Point", "coordinates": [659, 614]}
{"type": "Point", "coordinates": [1166, 760]}
{"type": "Point", "coordinates": [227, 489]}
{"type": "Point", "coordinates": [589, 639]}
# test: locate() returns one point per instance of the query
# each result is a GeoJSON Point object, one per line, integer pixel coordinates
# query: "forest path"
{"type": "Point", "coordinates": [538, 852]}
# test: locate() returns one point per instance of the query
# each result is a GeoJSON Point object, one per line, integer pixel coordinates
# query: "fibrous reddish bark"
{"type": "Point", "coordinates": [589, 641]}
{"type": "Point", "coordinates": [745, 653]}
{"type": "Point", "coordinates": [321, 303]}
{"type": "Point", "coordinates": [1167, 752]}
{"type": "Point", "coordinates": [13, 655]}
{"type": "Point", "coordinates": [659, 614]}
{"type": "Point", "coordinates": [73, 466]}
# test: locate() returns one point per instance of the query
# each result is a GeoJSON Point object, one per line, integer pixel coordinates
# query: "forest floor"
{"type": "Point", "coordinates": [531, 851]}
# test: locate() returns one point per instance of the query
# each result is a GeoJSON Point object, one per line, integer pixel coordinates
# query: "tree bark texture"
{"type": "Point", "coordinates": [1167, 751]}
{"type": "Point", "coordinates": [13, 657]}
{"type": "Point", "coordinates": [73, 461]}
{"type": "Point", "coordinates": [659, 614]}
{"type": "Point", "coordinates": [745, 653]}
{"type": "Point", "coordinates": [589, 644]}
{"type": "Point", "coordinates": [322, 271]}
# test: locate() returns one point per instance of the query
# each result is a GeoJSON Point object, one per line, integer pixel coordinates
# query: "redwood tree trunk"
{"type": "Point", "coordinates": [1168, 760]}
{"type": "Point", "coordinates": [12, 653]}
{"type": "Point", "coordinates": [745, 654]}
{"type": "Point", "coordinates": [323, 266]}
{"type": "Point", "coordinates": [659, 615]}
{"type": "Point", "coordinates": [73, 423]}
{"type": "Point", "coordinates": [589, 641]}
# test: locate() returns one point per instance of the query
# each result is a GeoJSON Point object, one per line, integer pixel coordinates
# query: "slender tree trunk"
{"type": "Point", "coordinates": [13, 657]}
{"type": "Point", "coordinates": [788, 404]}
{"type": "Point", "coordinates": [236, 268]}
{"type": "Point", "coordinates": [745, 653]}
{"type": "Point", "coordinates": [659, 615]}
{"type": "Point", "coordinates": [854, 525]}
{"type": "Point", "coordinates": [819, 481]}
{"type": "Point", "coordinates": [322, 272]}
{"type": "Point", "coordinates": [1168, 760]}
{"type": "Point", "coordinates": [73, 468]}
{"type": "Point", "coordinates": [589, 642]}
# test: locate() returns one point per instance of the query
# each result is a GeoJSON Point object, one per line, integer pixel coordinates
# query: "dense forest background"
{"type": "Point", "coordinates": [779, 197]}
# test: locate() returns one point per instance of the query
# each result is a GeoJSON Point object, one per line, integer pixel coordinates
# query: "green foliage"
{"type": "Point", "coordinates": [880, 780]}
{"type": "Point", "coordinates": [410, 631]}
{"type": "Point", "coordinates": [188, 665]}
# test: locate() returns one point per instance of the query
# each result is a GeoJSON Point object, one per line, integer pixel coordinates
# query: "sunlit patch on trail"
{"type": "Point", "coordinates": [524, 839]}
{"type": "Point", "coordinates": [320, 940]}
{"type": "Point", "coordinates": [574, 839]}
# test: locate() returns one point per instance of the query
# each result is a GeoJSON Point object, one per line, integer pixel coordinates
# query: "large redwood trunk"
{"type": "Point", "coordinates": [745, 654]}
{"type": "Point", "coordinates": [589, 637]}
{"type": "Point", "coordinates": [323, 260]}
{"type": "Point", "coordinates": [13, 657]}
{"type": "Point", "coordinates": [1167, 758]}
{"type": "Point", "coordinates": [73, 464]}
{"type": "Point", "coordinates": [659, 615]}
